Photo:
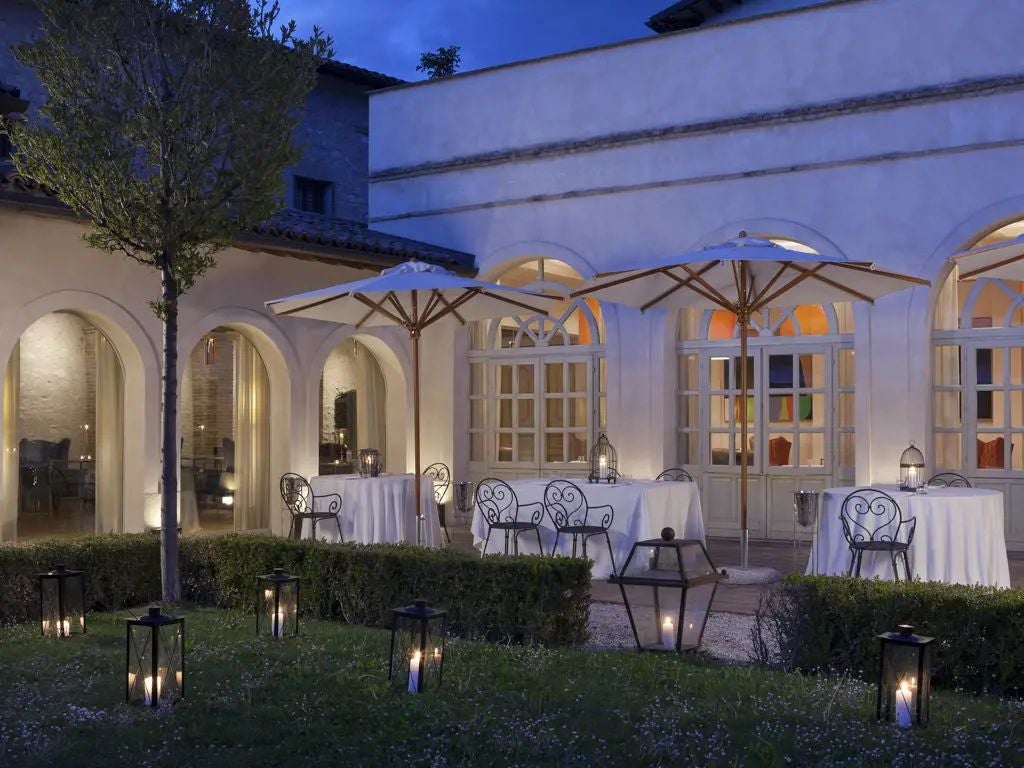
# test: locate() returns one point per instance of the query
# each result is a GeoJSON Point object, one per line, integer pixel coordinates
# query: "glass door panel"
{"type": "Point", "coordinates": [726, 410]}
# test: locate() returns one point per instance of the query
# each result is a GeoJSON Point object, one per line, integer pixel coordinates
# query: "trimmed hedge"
{"type": "Point", "coordinates": [828, 623]}
{"type": "Point", "coordinates": [522, 599]}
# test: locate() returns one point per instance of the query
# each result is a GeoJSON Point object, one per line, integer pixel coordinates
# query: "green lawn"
{"type": "Point", "coordinates": [323, 699]}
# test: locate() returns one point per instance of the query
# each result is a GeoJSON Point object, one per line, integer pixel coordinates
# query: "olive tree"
{"type": "Point", "coordinates": [168, 125]}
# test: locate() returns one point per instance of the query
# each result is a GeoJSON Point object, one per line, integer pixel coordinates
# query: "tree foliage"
{"type": "Point", "coordinates": [444, 62]}
{"type": "Point", "coordinates": [168, 123]}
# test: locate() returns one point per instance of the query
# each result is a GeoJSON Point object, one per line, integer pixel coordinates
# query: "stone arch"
{"type": "Point", "coordinates": [141, 378]}
{"type": "Point", "coordinates": [783, 229]}
{"type": "Point", "coordinates": [286, 396]}
{"type": "Point", "coordinates": [501, 259]}
{"type": "Point", "coordinates": [393, 358]}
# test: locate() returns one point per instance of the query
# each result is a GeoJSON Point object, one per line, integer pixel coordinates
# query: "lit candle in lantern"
{"type": "Point", "coordinates": [414, 673]}
{"type": "Point", "coordinates": [905, 704]}
{"type": "Point", "coordinates": [178, 678]}
{"type": "Point", "coordinates": [912, 477]}
{"type": "Point", "coordinates": [279, 624]}
{"type": "Point", "coordinates": [668, 634]}
{"type": "Point", "coordinates": [148, 689]}
{"type": "Point", "coordinates": [602, 467]}
{"type": "Point", "coordinates": [437, 656]}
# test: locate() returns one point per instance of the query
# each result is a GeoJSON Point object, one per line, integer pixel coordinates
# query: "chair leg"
{"type": "Point", "coordinates": [860, 561]}
{"type": "Point", "coordinates": [554, 548]}
{"type": "Point", "coordinates": [341, 536]}
{"type": "Point", "coordinates": [584, 547]}
{"type": "Point", "coordinates": [574, 537]}
{"type": "Point", "coordinates": [487, 541]}
{"type": "Point", "coordinates": [906, 565]}
{"type": "Point", "coordinates": [895, 571]}
{"type": "Point", "coordinates": [540, 543]}
{"type": "Point", "coordinates": [313, 522]}
{"type": "Point", "coordinates": [853, 560]}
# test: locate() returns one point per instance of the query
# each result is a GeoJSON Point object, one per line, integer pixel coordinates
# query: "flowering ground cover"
{"type": "Point", "coordinates": [323, 699]}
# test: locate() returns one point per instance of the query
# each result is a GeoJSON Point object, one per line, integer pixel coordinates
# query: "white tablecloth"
{"type": "Point", "coordinates": [377, 510]}
{"type": "Point", "coordinates": [642, 509]}
{"type": "Point", "coordinates": [959, 537]}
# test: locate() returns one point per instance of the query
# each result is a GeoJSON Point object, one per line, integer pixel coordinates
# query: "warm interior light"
{"type": "Point", "coordinates": [227, 501]}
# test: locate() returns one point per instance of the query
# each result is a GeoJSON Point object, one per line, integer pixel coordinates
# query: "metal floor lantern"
{"type": "Point", "coordinates": [277, 604]}
{"type": "Point", "coordinates": [155, 660]}
{"type": "Point", "coordinates": [604, 462]}
{"type": "Point", "coordinates": [667, 586]}
{"type": "Point", "coordinates": [417, 647]}
{"type": "Point", "coordinates": [911, 469]}
{"type": "Point", "coordinates": [905, 681]}
{"type": "Point", "coordinates": [805, 514]}
{"type": "Point", "coordinates": [62, 602]}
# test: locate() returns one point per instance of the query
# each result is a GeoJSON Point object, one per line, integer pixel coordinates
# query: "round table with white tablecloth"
{"type": "Point", "coordinates": [379, 510]}
{"type": "Point", "coordinates": [642, 509]}
{"type": "Point", "coordinates": [958, 539]}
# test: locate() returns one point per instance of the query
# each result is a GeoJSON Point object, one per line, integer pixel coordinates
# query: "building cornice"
{"type": "Point", "coordinates": [880, 102]}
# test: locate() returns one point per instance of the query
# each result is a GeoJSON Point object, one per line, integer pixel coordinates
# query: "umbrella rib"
{"type": "Point", "coordinates": [709, 292]}
{"type": "Point", "coordinates": [859, 266]}
{"type": "Point", "coordinates": [312, 305]}
{"type": "Point", "coordinates": [990, 267]}
{"type": "Point", "coordinates": [687, 283]}
{"type": "Point", "coordinates": [400, 310]}
{"type": "Point", "coordinates": [612, 283]}
{"type": "Point", "coordinates": [763, 300]}
{"type": "Point", "coordinates": [520, 304]}
{"type": "Point", "coordinates": [757, 301]}
{"type": "Point", "coordinates": [374, 307]}
{"type": "Point", "coordinates": [837, 286]}
{"type": "Point", "coordinates": [450, 307]}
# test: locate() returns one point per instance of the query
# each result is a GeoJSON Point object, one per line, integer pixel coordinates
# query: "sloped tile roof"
{"type": "Point", "coordinates": [358, 75]}
{"type": "Point", "coordinates": [289, 232]}
{"type": "Point", "coordinates": [687, 14]}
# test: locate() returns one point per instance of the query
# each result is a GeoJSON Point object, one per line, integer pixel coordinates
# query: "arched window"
{"type": "Point", "coordinates": [978, 372]}
{"type": "Point", "coordinates": [537, 384]}
{"type": "Point", "coordinates": [799, 409]}
{"type": "Point", "coordinates": [353, 413]}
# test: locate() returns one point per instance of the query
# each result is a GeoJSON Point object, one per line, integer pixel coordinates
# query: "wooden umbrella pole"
{"type": "Point", "coordinates": [415, 331]}
{"type": "Point", "coordinates": [744, 323]}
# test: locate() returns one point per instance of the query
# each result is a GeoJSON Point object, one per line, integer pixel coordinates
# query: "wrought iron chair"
{"type": "Point", "coordinates": [949, 480]}
{"type": "Point", "coordinates": [873, 522]}
{"type": "Point", "coordinates": [297, 495]}
{"type": "Point", "coordinates": [571, 514]}
{"type": "Point", "coordinates": [675, 475]}
{"type": "Point", "coordinates": [442, 477]}
{"type": "Point", "coordinates": [502, 511]}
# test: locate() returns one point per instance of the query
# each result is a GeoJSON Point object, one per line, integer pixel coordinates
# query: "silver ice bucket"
{"type": "Point", "coordinates": [805, 507]}
{"type": "Point", "coordinates": [465, 494]}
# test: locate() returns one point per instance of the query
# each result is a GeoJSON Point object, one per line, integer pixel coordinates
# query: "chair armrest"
{"type": "Point", "coordinates": [333, 508]}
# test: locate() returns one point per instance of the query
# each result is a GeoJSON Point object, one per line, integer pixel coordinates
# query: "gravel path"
{"type": "Point", "coordinates": [726, 637]}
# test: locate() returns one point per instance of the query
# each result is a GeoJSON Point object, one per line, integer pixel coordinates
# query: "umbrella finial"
{"type": "Point", "coordinates": [743, 233]}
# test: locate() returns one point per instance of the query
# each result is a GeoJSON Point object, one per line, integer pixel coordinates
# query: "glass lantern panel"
{"type": "Point", "coordinates": [696, 562]}
{"type": "Point", "coordinates": [164, 644]}
{"type": "Point", "coordinates": [655, 614]}
{"type": "Point", "coordinates": [657, 561]}
{"type": "Point", "coordinates": [905, 683]}
{"type": "Point", "coordinates": [417, 653]}
{"type": "Point", "coordinates": [279, 608]}
{"type": "Point", "coordinates": [695, 614]}
{"type": "Point", "coordinates": [62, 612]}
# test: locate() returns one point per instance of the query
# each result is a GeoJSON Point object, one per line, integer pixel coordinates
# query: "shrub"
{"type": "Point", "coordinates": [524, 599]}
{"type": "Point", "coordinates": [827, 623]}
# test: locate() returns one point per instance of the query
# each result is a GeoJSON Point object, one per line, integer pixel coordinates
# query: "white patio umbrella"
{"type": "Point", "coordinates": [1000, 260]}
{"type": "Point", "coordinates": [744, 276]}
{"type": "Point", "coordinates": [414, 295]}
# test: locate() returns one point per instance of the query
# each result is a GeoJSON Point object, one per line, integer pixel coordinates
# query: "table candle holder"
{"type": "Point", "coordinates": [370, 464]}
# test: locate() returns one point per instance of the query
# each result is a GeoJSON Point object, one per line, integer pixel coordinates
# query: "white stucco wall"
{"type": "Point", "coordinates": [881, 130]}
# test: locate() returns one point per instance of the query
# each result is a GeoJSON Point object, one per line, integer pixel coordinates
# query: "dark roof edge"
{"type": "Point", "coordinates": [358, 75]}
{"type": "Point", "coordinates": [620, 44]}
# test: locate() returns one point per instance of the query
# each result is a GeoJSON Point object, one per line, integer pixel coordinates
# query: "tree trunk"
{"type": "Point", "coordinates": [169, 576]}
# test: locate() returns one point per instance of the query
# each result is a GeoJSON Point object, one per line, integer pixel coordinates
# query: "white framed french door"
{"type": "Point", "coordinates": [795, 429]}
{"type": "Point", "coordinates": [542, 415]}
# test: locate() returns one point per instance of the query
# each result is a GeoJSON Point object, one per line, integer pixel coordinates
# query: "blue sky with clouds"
{"type": "Point", "coordinates": [389, 35]}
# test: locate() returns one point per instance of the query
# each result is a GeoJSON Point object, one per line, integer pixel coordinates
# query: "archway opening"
{"type": "Point", "coordinates": [353, 407]}
{"type": "Point", "coordinates": [64, 429]}
{"type": "Point", "coordinates": [224, 412]}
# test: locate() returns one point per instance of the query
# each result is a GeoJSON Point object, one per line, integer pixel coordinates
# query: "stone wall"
{"type": "Point", "coordinates": [57, 387]}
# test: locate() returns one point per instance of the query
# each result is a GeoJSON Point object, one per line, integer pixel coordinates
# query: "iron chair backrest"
{"type": "Point", "coordinates": [675, 475]}
{"type": "Point", "coordinates": [442, 478]}
{"type": "Point", "coordinates": [499, 503]}
{"type": "Point", "coordinates": [949, 480]}
{"type": "Point", "coordinates": [568, 508]}
{"type": "Point", "coordinates": [296, 493]}
{"type": "Point", "coordinates": [870, 516]}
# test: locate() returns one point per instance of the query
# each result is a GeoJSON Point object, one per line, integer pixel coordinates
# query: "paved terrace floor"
{"type": "Point", "coordinates": [737, 598]}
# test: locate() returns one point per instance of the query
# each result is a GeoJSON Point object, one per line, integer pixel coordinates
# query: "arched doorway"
{"type": "Point", "coordinates": [224, 413]}
{"type": "Point", "coordinates": [799, 411]}
{"type": "Point", "coordinates": [64, 429]}
{"type": "Point", "coordinates": [353, 407]}
{"type": "Point", "coordinates": [978, 383]}
{"type": "Point", "coordinates": [537, 395]}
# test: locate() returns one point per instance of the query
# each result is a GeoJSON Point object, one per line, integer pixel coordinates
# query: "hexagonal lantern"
{"type": "Point", "coordinates": [604, 462]}
{"type": "Point", "coordinates": [277, 604]}
{"type": "Point", "coordinates": [155, 662]}
{"type": "Point", "coordinates": [667, 586]}
{"type": "Point", "coordinates": [417, 647]}
{"type": "Point", "coordinates": [62, 602]}
{"type": "Point", "coordinates": [905, 681]}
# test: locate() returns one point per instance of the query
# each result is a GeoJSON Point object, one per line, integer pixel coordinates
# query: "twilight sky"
{"type": "Point", "coordinates": [389, 35]}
